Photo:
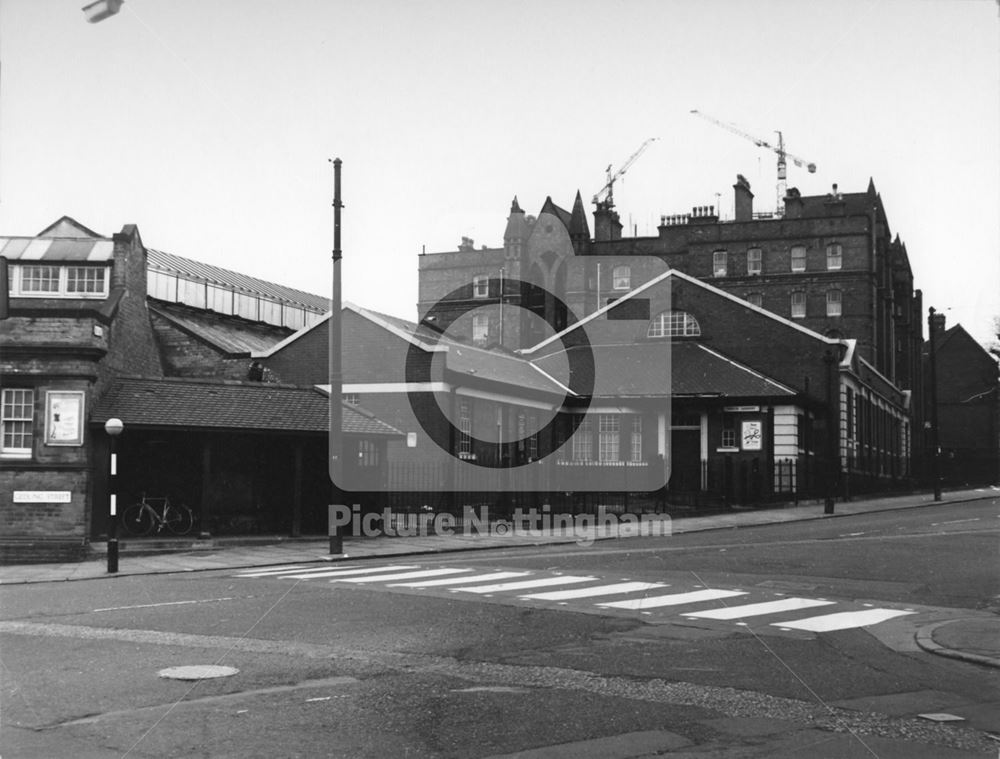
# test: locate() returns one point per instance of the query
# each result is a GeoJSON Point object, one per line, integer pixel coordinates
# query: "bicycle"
{"type": "Point", "coordinates": [140, 518]}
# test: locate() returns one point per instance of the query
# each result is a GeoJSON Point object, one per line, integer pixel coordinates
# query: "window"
{"type": "Point", "coordinates": [755, 299]}
{"type": "Point", "coordinates": [533, 438]}
{"type": "Point", "coordinates": [799, 258]}
{"type": "Point", "coordinates": [755, 261]}
{"type": "Point", "coordinates": [38, 280]}
{"type": "Point", "coordinates": [480, 328]}
{"type": "Point", "coordinates": [480, 286]}
{"type": "Point", "coordinates": [636, 452]}
{"type": "Point", "coordinates": [798, 305]}
{"type": "Point", "coordinates": [17, 412]}
{"type": "Point", "coordinates": [352, 398]}
{"type": "Point", "coordinates": [582, 442]}
{"type": "Point", "coordinates": [367, 454]}
{"type": "Point", "coordinates": [609, 439]}
{"type": "Point", "coordinates": [834, 255]}
{"type": "Point", "coordinates": [464, 431]}
{"type": "Point", "coordinates": [673, 324]}
{"type": "Point", "coordinates": [729, 437]}
{"type": "Point", "coordinates": [86, 280]}
{"type": "Point", "coordinates": [621, 278]}
{"type": "Point", "coordinates": [719, 263]}
{"type": "Point", "coordinates": [833, 303]}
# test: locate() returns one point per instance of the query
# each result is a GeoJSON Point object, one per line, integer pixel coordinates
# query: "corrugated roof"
{"type": "Point", "coordinates": [145, 402]}
{"type": "Point", "coordinates": [642, 370]}
{"type": "Point", "coordinates": [168, 262]}
{"type": "Point", "coordinates": [229, 334]}
{"type": "Point", "coordinates": [49, 249]}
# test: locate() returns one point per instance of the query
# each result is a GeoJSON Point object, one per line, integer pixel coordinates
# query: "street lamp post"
{"type": "Point", "coordinates": [114, 428]}
{"type": "Point", "coordinates": [935, 441]}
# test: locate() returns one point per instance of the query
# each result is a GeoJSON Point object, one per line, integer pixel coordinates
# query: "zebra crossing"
{"type": "Point", "coordinates": [655, 601]}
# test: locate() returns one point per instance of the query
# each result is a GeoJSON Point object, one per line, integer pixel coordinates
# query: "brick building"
{"type": "Point", "coordinates": [675, 393]}
{"type": "Point", "coordinates": [830, 264]}
{"type": "Point", "coordinates": [101, 327]}
{"type": "Point", "coordinates": [968, 405]}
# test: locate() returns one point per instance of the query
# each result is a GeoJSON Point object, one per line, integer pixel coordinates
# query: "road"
{"type": "Point", "coordinates": [783, 640]}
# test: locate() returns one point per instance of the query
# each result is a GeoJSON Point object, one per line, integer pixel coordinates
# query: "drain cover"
{"type": "Point", "coordinates": [197, 672]}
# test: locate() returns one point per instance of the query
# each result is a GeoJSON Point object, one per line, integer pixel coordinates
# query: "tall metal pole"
{"type": "Point", "coordinates": [336, 364]}
{"type": "Point", "coordinates": [935, 440]}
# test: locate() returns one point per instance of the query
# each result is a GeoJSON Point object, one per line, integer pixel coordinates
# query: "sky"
{"type": "Point", "coordinates": [210, 124]}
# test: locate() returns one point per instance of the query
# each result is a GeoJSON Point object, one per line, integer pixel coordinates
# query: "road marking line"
{"type": "Point", "coordinates": [674, 599]}
{"type": "Point", "coordinates": [599, 590]}
{"type": "Point", "coordinates": [960, 521]}
{"type": "Point", "coordinates": [402, 575]}
{"type": "Point", "coordinates": [164, 603]}
{"type": "Point", "coordinates": [458, 580]}
{"type": "Point", "coordinates": [344, 572]}
{"type": "Point", "coordinates": [524, 584]}
{"type": "Point", "coordinates": [279, 570]}
{"type": "Point", "coordinates": [842, 620]}
{"type": "Point", "coordinates": [753, 610]}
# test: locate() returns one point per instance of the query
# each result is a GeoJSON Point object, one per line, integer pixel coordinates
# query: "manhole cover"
{"type": "Point", "coordinates": [197, 672]}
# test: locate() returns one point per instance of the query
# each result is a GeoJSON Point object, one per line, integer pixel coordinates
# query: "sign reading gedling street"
{"type": "Point", "coordinates": [42, 496]}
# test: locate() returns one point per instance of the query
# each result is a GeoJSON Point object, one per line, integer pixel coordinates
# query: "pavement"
{"type": "Point", "coordinates": [973, 639]}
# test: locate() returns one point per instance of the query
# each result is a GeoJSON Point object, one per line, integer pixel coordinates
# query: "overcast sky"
{"type": "Point", "coordinates": [209, 124]}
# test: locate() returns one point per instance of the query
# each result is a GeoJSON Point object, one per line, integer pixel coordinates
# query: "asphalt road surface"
{"type": "Point", "coordinates": [792, 640]}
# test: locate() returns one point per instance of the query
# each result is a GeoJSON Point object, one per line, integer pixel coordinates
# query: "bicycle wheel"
{"type": "Point", "coordinates": [179, 519]}
{"type": "Point", "coordinates": [137, 520]}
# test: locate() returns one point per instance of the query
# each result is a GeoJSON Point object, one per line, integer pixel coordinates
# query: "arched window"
{"type": "Point", "coordinates": [673, 324]}
{"type": "Point", "coordinates": [621, 278]}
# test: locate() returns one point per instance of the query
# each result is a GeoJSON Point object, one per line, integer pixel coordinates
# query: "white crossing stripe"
{"type": "Point", "coordinates": [272, 571]}
{"type": "Point", "coordinates": [753, 610]}
{"type": "Point", "coordinates": [676, 599]}
{"type": "Point", "coordinates": [523, 584]}
{"type": "Point", "coordinates": [843, 620]}
{"type": "Point", "coordinates": [343, 572]}
{"type": "Point", "coordinates": [597, 590]}
{"type": "Point", "coordinates": [402, 575]}
{"type": "Point", "coordinates": [458, 580]}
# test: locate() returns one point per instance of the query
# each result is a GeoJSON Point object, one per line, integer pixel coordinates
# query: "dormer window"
{"type": "Point", "coordinates": [621, 278]}
{"type": "Point", "coordinates": [55, 281]}
{"type": "Point", "coordinates": [673, 324]}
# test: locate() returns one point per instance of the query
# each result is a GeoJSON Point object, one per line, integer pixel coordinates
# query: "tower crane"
{"type": "Point", "coordinates": [605, 196]}
{"type": "Point", "coordinates": [779, 149]}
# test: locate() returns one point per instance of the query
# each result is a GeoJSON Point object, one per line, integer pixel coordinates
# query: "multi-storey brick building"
{"type": "Point", "coordinates": [829, 264]}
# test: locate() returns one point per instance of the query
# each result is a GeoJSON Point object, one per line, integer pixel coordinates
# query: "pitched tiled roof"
{"type": "Point", "coordinates": [641, 370]}
{"type": "Point", "coordinates": [206, 404]}
{"type": "Point", "coordinates": [230, 334]}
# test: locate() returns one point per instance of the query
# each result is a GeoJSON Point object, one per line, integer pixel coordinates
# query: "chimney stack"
{"type": "Point", "coordinates": [744, 199]}
{"type": "Point", "coordinates": [937, 324]}
{"type": "Point", "coordinates": [793, 203]}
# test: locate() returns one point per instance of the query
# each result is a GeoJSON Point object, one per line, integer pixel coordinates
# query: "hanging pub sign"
{"type": "Point", "coordinates": [64, 417]}
{"type": "Point", "coordinates": [751, 436]}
